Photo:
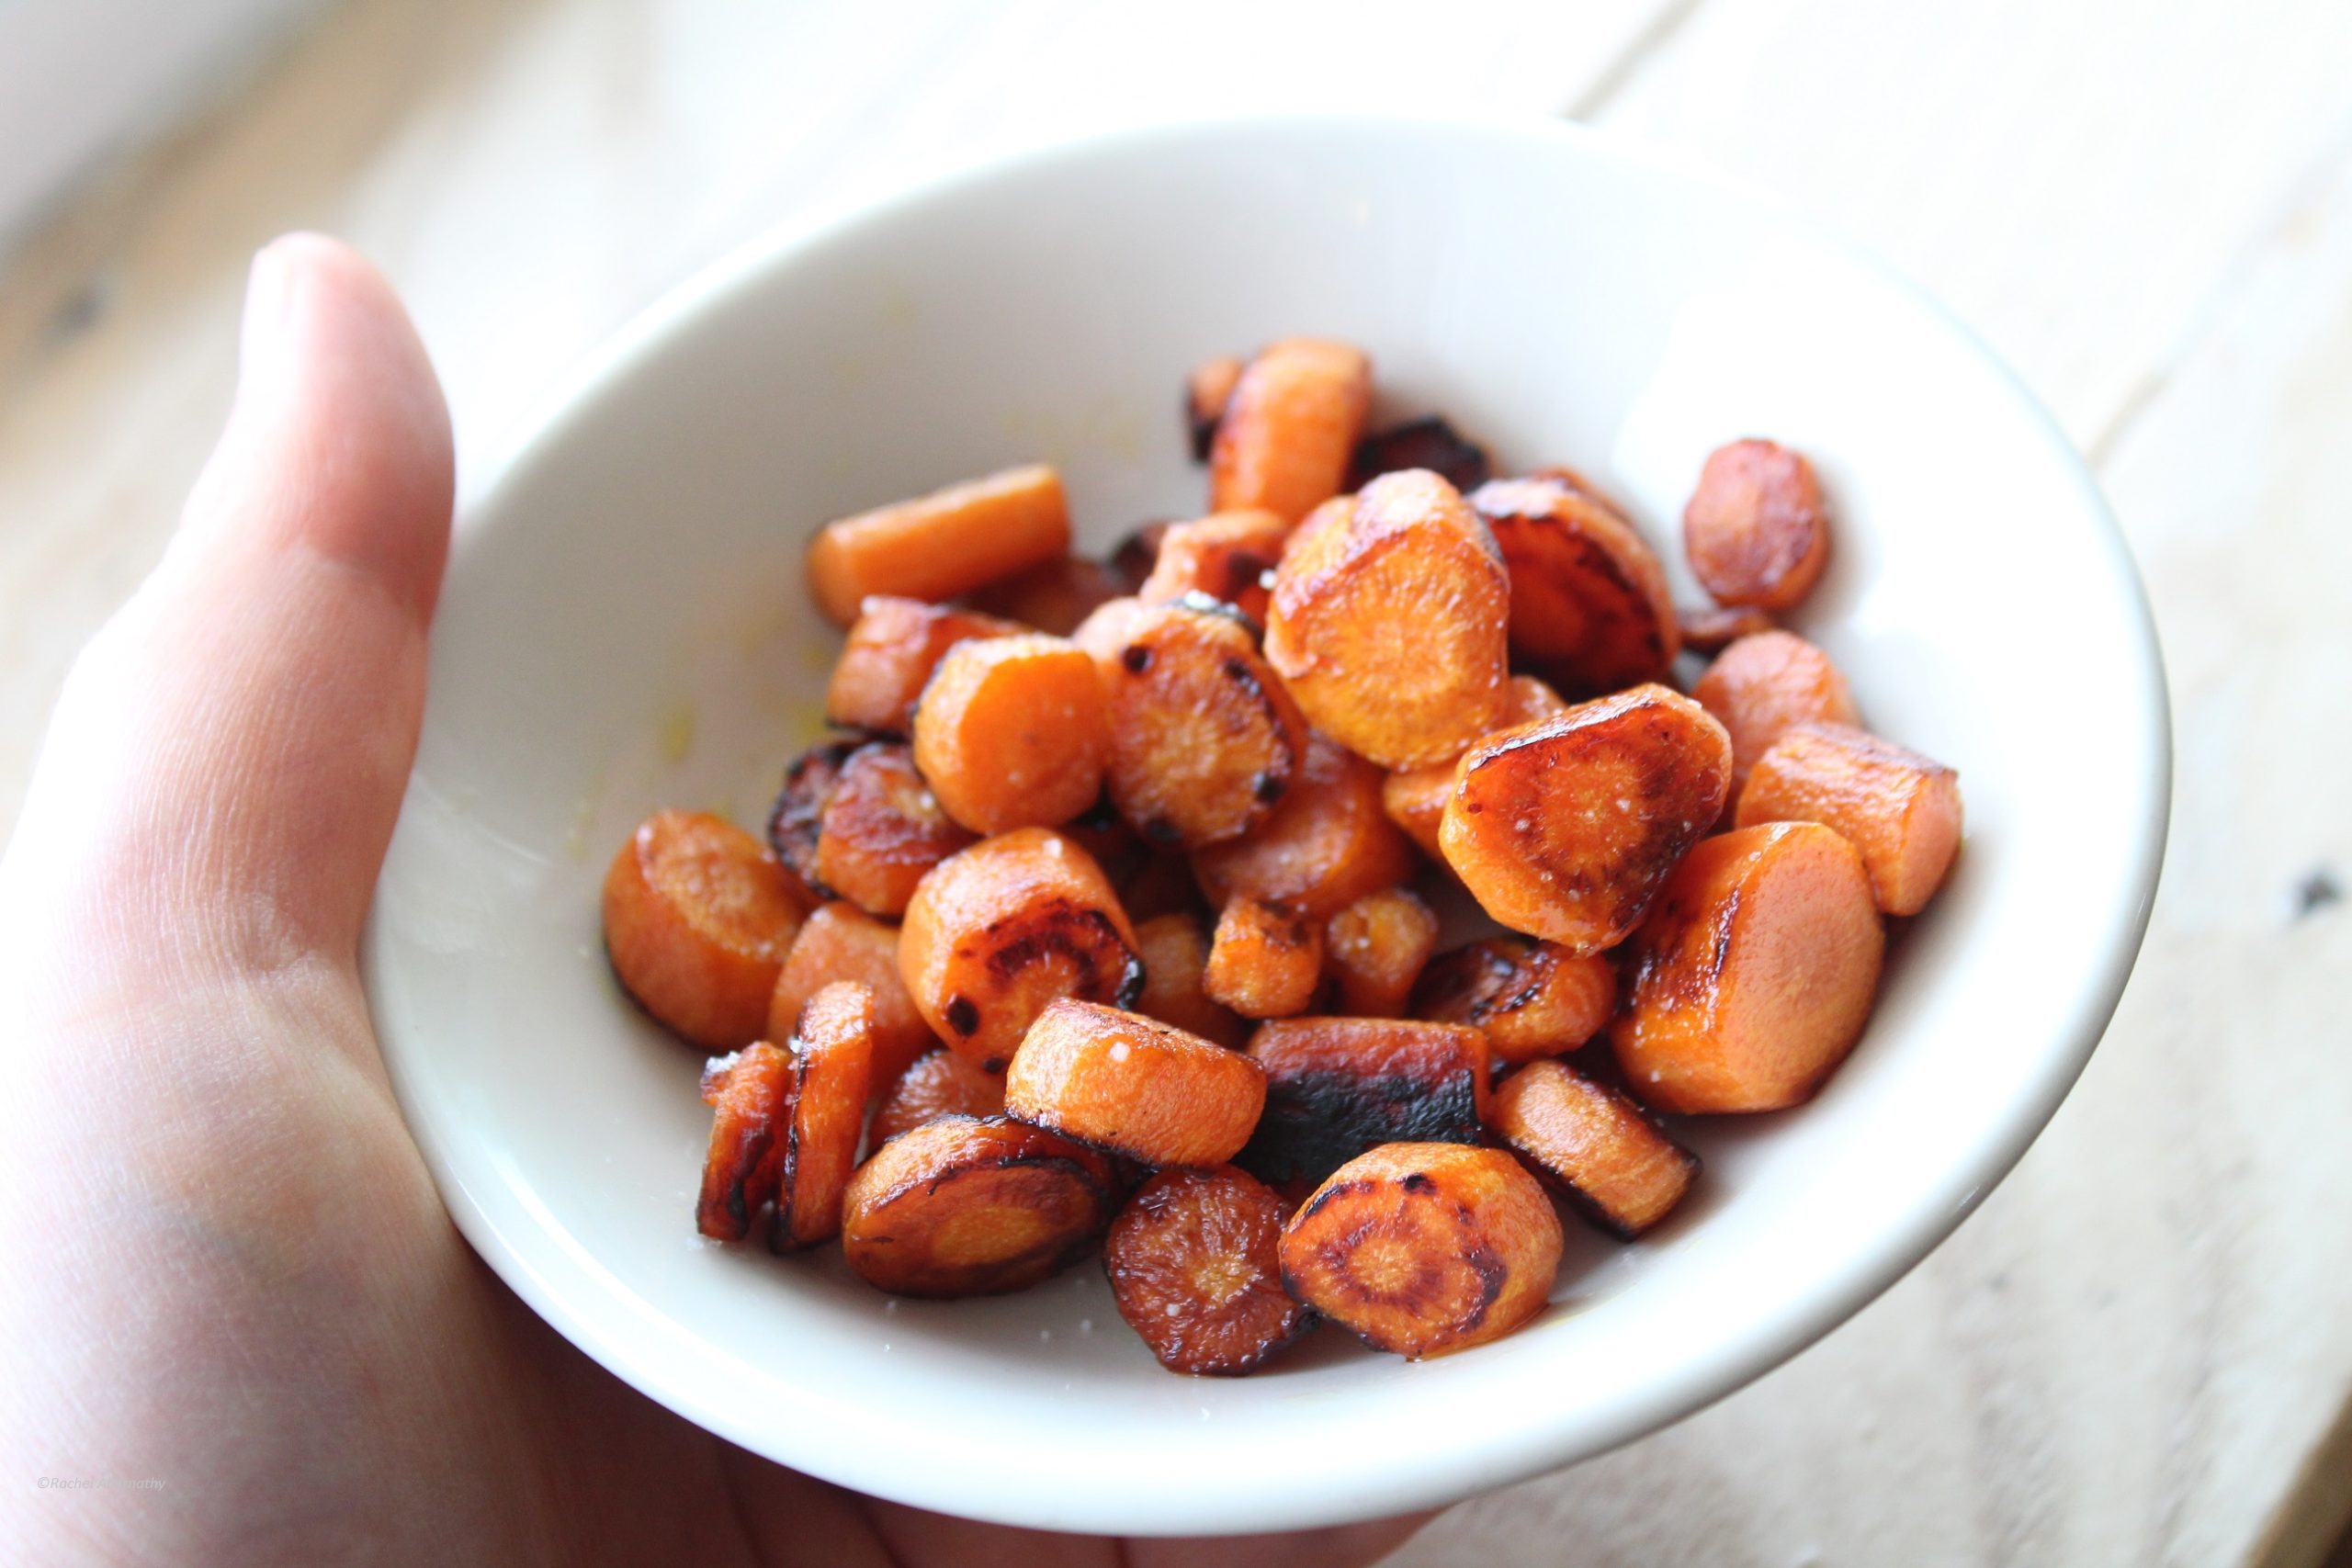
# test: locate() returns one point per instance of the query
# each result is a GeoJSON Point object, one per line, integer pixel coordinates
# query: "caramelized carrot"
{"type": "Point", "coordinates": [995, 933]}
{"type": "Point", "coordinates": [796, 819]}
{"type": "Point", "coordinates": [1431, 444]}
{"type": "Point", "coordinates": [891, 651]}
{"type": "Point", "coordinates": [697, 917]}
{"type": "Point", "coordinates": [1337, 1087]}
{"type": "Point", "coordinates": [1053, 596]}
{"type": "Point", "coordinates": [939, 546]}
{"type": "Point", "coordinates": [1755, 530]}
{"type": "Point", "coordinates": [1011, 733]}
{"type": "Point", "coordinates": [1284, 436]}
{"type": "Point", "coordinates": [1712, 631]}
{"type": "Point", "coordinates": [1566, 828]}
{"type": "Point", "coordinates": [1195, 1266]}
{"type": "Point", "coordinates": [1762, 685]}
{"type": "Point", "coordinates": [940, 1084]}
{"type": "Point", "coordinates": [1389, 624]}
{"type": "Point", "coordinates": [1265, 960]}
{"type": "Point", "coordinates": [1375, 948]}
{"type": "Point", "coordinates": [834, 1050]}
{"type": "Point", "coordinates": [1425, 1248]}
{"type": "Point", "coordinates": [1226, 555]}
{"type": "Point", "coordinates": [1899, 809]}
{"type": "Point", "coordinates": [1175, 964]}
{"type": "Point", "coordinates": [1532, 999]}
{"type": "Point", "coordinates": [882, 829]}
{"type": "Point", "coordinates": [1753, 975]}
{"type": "Point", "coordinates": [1133, 1085]}
{"type": "Point", "coordinates": [750, 1094]}
{"type": "Point", "coordinates": [1415, 798]}
{"type": "Point", "coordinates": [840, 941]}
{"type": "Point", "coordinates": [1594, 1146]}
{"type": "Point", "coordinates": [1590, 606]}
{"type": "Point", "coordinates": [965, 1207]}
{"type": "Point", "coordinates": [1206, 392]}
{"type": "Point", "coordinates": [1327, 843]}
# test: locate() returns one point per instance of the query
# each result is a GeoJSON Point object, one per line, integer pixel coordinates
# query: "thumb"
{"type": "Point", "coordinates": [222, 772]}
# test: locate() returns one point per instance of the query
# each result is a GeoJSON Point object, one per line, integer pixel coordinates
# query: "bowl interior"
{"type": "Point", "coordinates": [625, 627]}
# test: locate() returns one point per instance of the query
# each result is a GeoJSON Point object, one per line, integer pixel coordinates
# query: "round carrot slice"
{"type": "Point", "coordinates": [834, 1044]}
{"type": "Point", "coordinates": [1225, 555]}
{"type": "Point", "coordinates": [1532, 999]}
{"type": "Point", "coordinates": [1589, 605]}
{"type": "Point", "coordinates": [1899, 809]}
{"type": "Point", "coordinates": [795, 819]}
{"type": "Point", "coordinates": [1326, 845]}
{"type": "Point", "coordinates": [697, 917]}
{"type": "Point", "coordinates": [1376, 949]}
{"type": "Point", "coordinates": [1755, 531]}
{"type": "Point", "coordinates": [881, 829]}
{"type": "Point", "coordinates": [1594, 1145]}
{"type": "Point", "coordinates": [1762, 686]}
{"type": "Point", "coordinates": [840, 941]}
{"type": "Point", "coordinates": [1195, 1261]}
{"type": "Point", "coordinates": [1284, 436]}
{"type": "Point", "coordinates": [966, 1207]}
{"type": "Point", "coordinates": [1175, 969]}
{"type": "Point", "coordinates": [750, 1094]}
{"type": "Point", "coordinates": [1133, 1085]}
{"type": "Point", "coordinates": [941, 1084]}
{"type": "Point", "coordinates": [1010, 732]}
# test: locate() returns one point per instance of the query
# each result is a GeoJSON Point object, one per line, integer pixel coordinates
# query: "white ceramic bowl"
{"type": "Point", "coordinates": [625, 626]}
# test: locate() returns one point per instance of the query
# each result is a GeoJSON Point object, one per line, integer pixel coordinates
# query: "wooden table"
{"type": "Point", "coordinates": [2140, 1352]}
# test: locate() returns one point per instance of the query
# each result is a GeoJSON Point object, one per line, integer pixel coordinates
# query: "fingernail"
{"type": "Point", "coordinates": [269, 310]}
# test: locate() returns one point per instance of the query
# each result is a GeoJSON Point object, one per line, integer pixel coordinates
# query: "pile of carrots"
{"type": "Point", "coordinates": [1106, 922]}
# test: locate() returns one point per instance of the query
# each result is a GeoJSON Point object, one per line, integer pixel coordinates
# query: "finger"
{"type": "Point", "coordinates": [226, 763]}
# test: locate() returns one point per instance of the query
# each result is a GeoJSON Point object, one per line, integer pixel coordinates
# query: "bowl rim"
{"type": "Point", "coordinates": [1522, 1449]}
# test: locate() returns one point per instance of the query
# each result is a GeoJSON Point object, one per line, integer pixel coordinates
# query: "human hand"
{"type": "Point", "coordinates": [228, 1271]}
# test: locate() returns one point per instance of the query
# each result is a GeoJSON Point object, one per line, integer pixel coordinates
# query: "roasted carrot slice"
{"type": "Point", "coordinates": [1226, 555]}
{"type": "Point", "coordinates": [1265, 960]}
{"type": "Point", "coordinates": [840, 941]}
{"type": "Point", "coordinates": [1899, 809]}
{"type": "Point", "coordinates": [1206, 392]}
{"type": "Point", "coordinates": [798, 814]}
{"type": "Point", "coordinates": [966, 1207]}
{"type": "Point", "coordinates": [1054, 596]}
{"type": "Point", "coordinates": [697, 917]}
{"type": "Point", "coordinates": [1284, 436]}
{"type": "Point", "coordinates": [1337, 1087]}
{"type": "Point", "coordinates": [891, 651]}
{"type": "Point", "coordinates": [882, 829]}
{"type": "Point", "coordinates": [1327, 843]}
{"type": "Point", "coordinates": [1755, 531]}
{"type": "Point", "coordinates": [1431, 444]}
{"type": "Point", "coordinates": [1011, 733]}
{"type": "Point", "coordinates": [1566, 828]}
{"type": "Point", "coordinates": [1594, 1145]}
{"type": "Point", "coordinates": [1425, 1248]}
{"type": "Point", "coordinates": [996, 932]}
{"type": "Point", "coordinates": [1375, 948]}
{"type": "Point", "coordinates": [1589, 605]}
{"type": "Point", "coordinates": [1390, 624]}
{"type": "Point", "coordinates": [1203, 741]}
{"type": "Point", "coordinates": [750, 1094]}
{"type": "Point", "coordinates": [1753, 975]}
{"type": "Point", "coordinates": [1195, 1266]}
{"type": "Point", "coordinates": [1532, 999]}
{"type": "Point", "coordinates": [940, 1084]}
{"type": "Point", "coordinates": [1762, 685]}
{"type": "Point", "coordinates": [939, 546]}
{"type": "Point", "coordinates": [1712, 631]}
{"type": "Point", "coordinates": [1175, 964]}
{"type": "Point", "coordinates": [834, 1045]}
{"type": "Point", "coordinates": [1134, 1086]}
{"type": "Point", "coordinates": [1415, 798]}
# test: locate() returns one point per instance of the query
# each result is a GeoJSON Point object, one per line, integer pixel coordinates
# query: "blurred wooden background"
{"type": "Point", "coordinates": [2140, 1351]}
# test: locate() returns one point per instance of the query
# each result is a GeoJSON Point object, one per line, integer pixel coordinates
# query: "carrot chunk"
{"type": "Point", "coordinates": [795, 822]}
{"type": "Point", "coordinates": [750, 1094]}
{"type": "Point", "coordinates": [1755, 531]}
{"type": "Point", "coordinates": [1133, 1085]}
{"type": "Point", "coordinates": [1899, 809]}
{"type": "Point", "coordinates": [1594, 1145]}
{"type": "Point", "coordinates": [940, 1084]}
{"type": "Point", "coordinates": [1011, 733]}
{"type": "Point", "coordinates": [966, 1207]}
{"type": "Point", "coordinates": [840, 941]}
{"type": "Point", "coordinates": [1337, 1087]}
{"type": "Point", "coordinates": [1284, 436]}
{"type": "Point", "coordinates": [1753, 975]}
{"type": "Point", "coordinates": [939, 546]}
{"type": "Point", "coordinates": [1206, 392]}
{"type": "Point", "coordinates": [1226, 555]}
{"type": "Point", "coordinates": [1389, 624]}
{"type": "Point", "coordinates": [1566, 828]}
{"type": "Point", "coordinates": [1589, 605]}
{"type": "Point", "coordinates": [835, 1047]}
{"type": "Point", "coordinates": [1203, 741]}
{"type": "Point", "coordinates": [1431, 444]}
{"type": "Point", "coordinates": [1762, 685]}
{"type": "Point", "coordinates": [996, 932]}
{"type": "Point", "coordinates": [1138, 553]}
{"type": "Point", "coordinates": [1532, 999]}
{"type": "Point", "coordinates": [1265, 960]}
{"type": "Point", "coordinates": [1053, 596]}
{"type": "Point", "coordinates": [1327, 843]}
{"type": "Point", "coordinates": [891, 651]}
{"type": "Point", "coordinates": [882, 829]}
{"type": "Point", "coordinates": [1415, 798]}
{"type": "Point", "coordinates": [697, 917]}
{"type": "Point", "coordinates": [1175, 967]}
{"type": "Point", "coordinates": [1195, 1265]}
{"type": "Point", "coordinates": [1425, 1248]}
{"type": "Point", "coordinates": [1712, 631]}
{"type": "Point", "coordinates": [1375, 948]}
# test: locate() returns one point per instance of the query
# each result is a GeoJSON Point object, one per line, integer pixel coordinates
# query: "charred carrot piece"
{"type": "Point", "coordinates": [1265, 961]}
{"type": "Point", "coordinates": [1431, 444]}
{"type": "Point", "coordinates": [891, 651]}
{"type": "Point", "coordinates": [750, 1094]}
{"type": "Point", "coordinates": [1284, 436]}
{"type": "Point", "coordinates": [1011, 733]}
{"type": "Point", "coordinates": [1899, 809]}
{"type": "Point", "coordinates": [1425, 1248]}
{"type": "Point", "coordinates": [1754, 974]}
{"type": "Point", "coordinates": [1589, 605]}
{"type": "Point", "coordinates": [882, 829]}
{"type": "Point", "coordinates": [1175, 966]}
{"type": "Point", "coordinates": [1337, 1087]}
{"type": "Point", "coordinates": [1052, 597]}
{"type": "Point", "coordinates": [1594, 1146]}
{"type": "Point", "coordinates": [1755, 530]}
{"type": "Point", "coordinates": [840, 941]}
{"type": "Point", "coordinates": [966, 1207]}
{"type": "Point", "coordinates": [1195, 1265]}
{"type": "Point", "coordinates": [1530, 999]}
{"type": "Point", "coordinates": [940, 1084]}
{"type": "Point", "coordinates": [798, 814]}
{"type": "Point", "coordinates": [834, 1045]}
{"type": "Point", "coordinates": [937, 546]}
{"type": "Point", "coordinates": [1415, 798]}
{"type": "Point", "coordinates": [1138, 553]}
{"type": "Point", "coordinates": [1206, 392]}
{"type": "Point", "coordinates": [1225, 556]}
{"type": "Point", "coordinates": [1376, 949]}
{"type": "Point", "coordinates": [697, 917]}
{"type": "Point", "coordinates": [1134, 1086]}
{"type": "Point", "coordinates": [1326, 844]}
{"type": "Point", "coordinates": [1760, 686]}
